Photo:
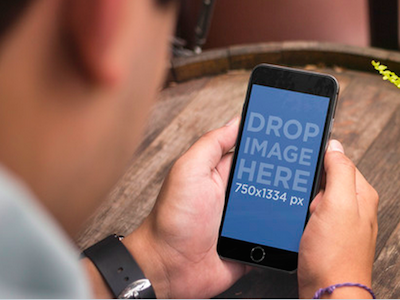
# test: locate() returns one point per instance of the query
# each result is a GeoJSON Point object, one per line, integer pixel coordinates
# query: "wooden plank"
{"type": "Point", "coordinates": [363, 111]}
{"type": "Point", "coordinates": [328, 54]}
{"type": "Point", "coordinates": [248, 56]}
{"type": "Point", "coordinates": [205, 64]}
{"type": "Point", "coordinates": [381, 167]}
{"type": "Point", "coordinates": [216, 103]}
{"type": "Point", "coordinates": [171, 101]}
{"type": "Point", "coordinates": [217, 61]}
{"type": "Point", "coordinates": [386, 275]}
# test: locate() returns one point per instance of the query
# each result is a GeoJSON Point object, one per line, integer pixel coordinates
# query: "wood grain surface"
{"type": "Point", "coordinates": [367, 122]}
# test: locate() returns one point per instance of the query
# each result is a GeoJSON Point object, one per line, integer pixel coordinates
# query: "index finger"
{"type": "Point", "coordinates": [212, 146]}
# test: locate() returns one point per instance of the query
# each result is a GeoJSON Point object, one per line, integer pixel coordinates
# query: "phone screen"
{"type": "Point", "coordinates": [274, 172]}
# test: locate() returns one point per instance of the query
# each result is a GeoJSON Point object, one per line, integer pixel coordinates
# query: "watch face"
{"type": "Point", "coordinates": [139, 289]}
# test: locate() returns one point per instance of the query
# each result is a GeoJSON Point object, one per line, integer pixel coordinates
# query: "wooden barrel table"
{"type": "Point", "coordinates": [207, 90]}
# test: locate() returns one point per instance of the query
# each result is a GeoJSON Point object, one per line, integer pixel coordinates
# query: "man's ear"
{"type": "Point", "coordinates": [92, 27]}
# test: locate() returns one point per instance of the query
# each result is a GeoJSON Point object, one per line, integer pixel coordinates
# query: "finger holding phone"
{"type": "Point", "coordinates": [338, 244]}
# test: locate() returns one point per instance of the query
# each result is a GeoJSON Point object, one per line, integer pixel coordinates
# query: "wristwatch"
{"type": "Point", "coordinates": [119, 269]}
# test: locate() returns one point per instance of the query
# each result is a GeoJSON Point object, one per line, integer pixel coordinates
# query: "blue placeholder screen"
{"type": "Point", "coordinates": [275, 167]}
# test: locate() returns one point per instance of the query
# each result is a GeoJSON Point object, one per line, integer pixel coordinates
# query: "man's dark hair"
{"type": "Point", "coordinates": [10, 11]}
{"type": "Point", "coordinates": [164, 2]}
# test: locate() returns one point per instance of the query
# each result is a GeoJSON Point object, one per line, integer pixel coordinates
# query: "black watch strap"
{"type": "Point", "coordinates": [117, 266]}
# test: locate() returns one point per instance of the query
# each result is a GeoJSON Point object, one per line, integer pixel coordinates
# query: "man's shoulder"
{"type": "Point", "coordinates": [36, 258]}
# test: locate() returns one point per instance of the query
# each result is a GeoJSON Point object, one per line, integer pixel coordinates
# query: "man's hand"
{"type": "Point", "coordinates": [338, 244]}
{"type": "Point", "coordinates": [176, 244]}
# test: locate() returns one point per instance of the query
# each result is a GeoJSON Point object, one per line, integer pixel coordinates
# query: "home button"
{"type": "Point", "coordinates": [257, 254]}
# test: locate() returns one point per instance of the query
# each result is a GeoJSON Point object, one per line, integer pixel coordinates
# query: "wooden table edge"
{"type": "Point", "coordinates": [300, 53]}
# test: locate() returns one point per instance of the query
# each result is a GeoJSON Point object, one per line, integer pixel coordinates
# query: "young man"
{"type": "Point", "coordinates": [77, 80]}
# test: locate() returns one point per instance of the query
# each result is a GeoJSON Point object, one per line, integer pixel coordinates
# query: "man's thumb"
{"type": "Point", "coordinates": [335, 145]}
{"type": "Point", "coordinates": [340, 175]}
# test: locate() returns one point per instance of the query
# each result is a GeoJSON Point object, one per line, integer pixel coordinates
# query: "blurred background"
{"type": "Point", "coordinates": [205, 24]}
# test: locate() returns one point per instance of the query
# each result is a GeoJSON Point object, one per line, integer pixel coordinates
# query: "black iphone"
{"type": "Point", "coordinates": [286, 123]}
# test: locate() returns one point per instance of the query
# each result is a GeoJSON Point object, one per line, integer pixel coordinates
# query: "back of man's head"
{"type": "Point", "coordinates": [77, 79]}
{"type": "Point", "coordinates": [10, 11]}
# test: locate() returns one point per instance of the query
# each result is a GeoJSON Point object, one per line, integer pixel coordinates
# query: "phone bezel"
{"type": "Point", "coordinates": [294, 80]}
